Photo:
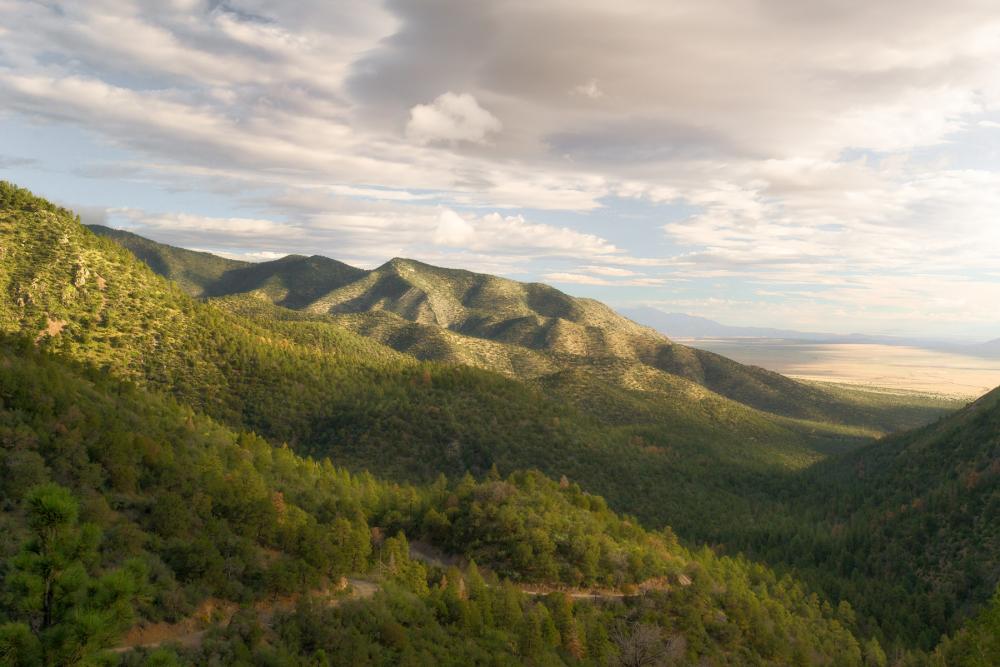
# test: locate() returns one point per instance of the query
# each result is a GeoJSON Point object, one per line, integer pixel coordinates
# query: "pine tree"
{"type": "Point", "coordinates": [62, 614]}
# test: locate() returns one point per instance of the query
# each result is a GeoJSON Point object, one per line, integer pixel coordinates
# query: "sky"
{"type": "Point", "coordinates": [828, 165]}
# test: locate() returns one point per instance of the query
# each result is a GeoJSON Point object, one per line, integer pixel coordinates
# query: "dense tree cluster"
{"type": "Point", "coordinates": [906, 529]}
{"type": "Point", "coordinates": [209, 512]}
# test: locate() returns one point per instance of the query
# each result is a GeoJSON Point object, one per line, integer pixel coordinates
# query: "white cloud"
{"type": "Point", "coordinates": [609, 271]}
{"type": "Point", "coordinates": [450, 118]}
{"type": "Point", "coordinates": [452, 230]}
{"type": "Point", "coordinates": [821, 145]}
{"type": "Point", "coordinates": [371, 232]}
{"type": "Point", "coordinates": [181, 223]}
{"type": "Point", "coordinates": [575, 278]}
{"type": "Point", "coordinates": [589, 89]}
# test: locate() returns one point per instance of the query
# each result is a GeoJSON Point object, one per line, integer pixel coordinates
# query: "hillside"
{"type": "Point", "coordinates": [527, 331]}
{"type": "Point", "coordinates": [911, 520]}
{"type": "Point", "coordinates": [300, 378]}
{"type": "Point", "coordinates": [183, 512]}
{"type": "Point", "coordinates": [194, 271]}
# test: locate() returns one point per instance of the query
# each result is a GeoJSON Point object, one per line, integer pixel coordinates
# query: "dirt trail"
{"type": "Point", "coordinates": [212, 613]}
{"type": "Point", "coordinates": [190, 632]}
{"type": "Point", "coordinates": [434, 556]}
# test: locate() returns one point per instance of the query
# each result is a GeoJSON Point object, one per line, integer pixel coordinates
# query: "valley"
{"type": "Point", "coordinates": [893, 367]}
{"type": "Point", "coordinates": [499, 334]}
{"type": "Point", "coordinates": [194, 429]}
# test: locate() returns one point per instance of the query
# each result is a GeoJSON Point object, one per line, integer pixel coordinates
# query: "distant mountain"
{"type": "Point", "coordinates": [681, 325]}
{"type": "Point", "coordinates": [988, 349]}
{"type": "Point", "coordinates": [528, 331]}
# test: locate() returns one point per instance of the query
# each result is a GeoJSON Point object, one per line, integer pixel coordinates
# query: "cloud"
{"type": "Point", "coordinates": [589, 89]}
{"type": "Point", "coordinates": [609, 271]}
{"type": "Point", "coordinates": [11, 161]}
{"type": "Point", "coordinates": [183, 223]}
{"type": "Point", "coordinates": [589, 279]}
{"type": "Point", "coordinates": [369, 233]}
{"type": "Point", "coordinates": [452, 230]}
{"type": "Point", "coordinates": [451, 118]}
{"type": "Point", "coordinates": [575, 278]}
{"type": "Point", "coordinates": [821, 146]}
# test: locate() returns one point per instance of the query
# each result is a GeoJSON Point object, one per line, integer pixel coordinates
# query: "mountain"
{"type": "Point", "coordinates": [990, 348]}
{"type": "Point", "coordinates": [148, 509]}
{"type": "Point", "coordinates": [531, 332]}
{"type": "Point", "coordinates": [680, 325]}
{"type": "Point", "coordinates": [291, 281]}
{"type": "Point", "coordinates": [302, 378]}
{"type": "Point", "coordinates": [194, 271]}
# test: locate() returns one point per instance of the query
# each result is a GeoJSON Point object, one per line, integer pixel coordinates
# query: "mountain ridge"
{"type": "Point", "coordinates": [525, 330]}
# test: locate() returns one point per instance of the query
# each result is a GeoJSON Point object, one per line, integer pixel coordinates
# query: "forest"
{"type": "Point", "coordinates": [334, 499]}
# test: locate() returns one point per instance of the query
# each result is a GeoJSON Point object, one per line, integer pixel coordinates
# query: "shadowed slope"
{"type": "Point", "coordinates": [908, 527]}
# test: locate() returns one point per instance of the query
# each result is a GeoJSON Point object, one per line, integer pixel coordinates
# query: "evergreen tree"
{"type": "Point", "coordinates": [61, 612]}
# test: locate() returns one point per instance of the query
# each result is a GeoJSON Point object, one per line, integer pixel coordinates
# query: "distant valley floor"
{"type": "Point", "coordinates": [888, 366]}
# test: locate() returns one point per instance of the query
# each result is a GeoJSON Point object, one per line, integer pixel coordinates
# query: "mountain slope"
{"type": "Point", "coordinates": [572, 332]}
{"type": "Point", "coordinates": [911, 521]}
{"type": "Point", "coordinates": [291, 281]}
{"type": "Point", "coordinates": [530, 330]}
{"type": "Point", "coordinates": [220, 519]}
{"type": "Point", "coordinates": [299, 377]}
{"type": "Point", "coordinates": [192, 270]}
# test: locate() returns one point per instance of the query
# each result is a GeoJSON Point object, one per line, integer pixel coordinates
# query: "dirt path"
{"type": "Point", "coordinates": [190, 632]}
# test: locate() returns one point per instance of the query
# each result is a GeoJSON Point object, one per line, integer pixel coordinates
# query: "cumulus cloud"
{"type": "Point", "coordinates": [451, 118]}
{"type": "Point", "coordinates": [452, 230]}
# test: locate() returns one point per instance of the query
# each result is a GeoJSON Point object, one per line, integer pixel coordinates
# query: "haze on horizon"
{"type": "Point", "coordinates": [827, 166]}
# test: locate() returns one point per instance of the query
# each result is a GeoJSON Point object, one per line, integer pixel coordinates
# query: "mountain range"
{"type": "Point", "coordinates": [682, 325]}
{"type": "Point", "coordinates": [199, 431]}
{"type": "Point", "coordinates": [527, 331]}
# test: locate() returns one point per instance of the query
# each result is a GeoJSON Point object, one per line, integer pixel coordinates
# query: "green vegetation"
{"type": "Point", "coordinates": [209, 512]}
{"type": "Point", "coordinates": [975, 645]}
{"type": "Point", "coordinates": [132, 409]}
{"type": "Point", "coordinates": [906, 529]}
{"type": "Point", "coordinates": [375, 409]}
{"type": "Point", "coordinates": [462, 618]}
{"type": "Point", "coordinates": [527, 331]}
{"type": "Point", "coordinates": [60, 614]}
{"type": "Point", "coordinates": [194, 271]}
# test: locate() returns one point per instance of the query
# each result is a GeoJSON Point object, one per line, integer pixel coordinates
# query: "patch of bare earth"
{"type": "Point", "coordinates": [52, 329]}
{"type": "Point", "coordinates": [190, 632]}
